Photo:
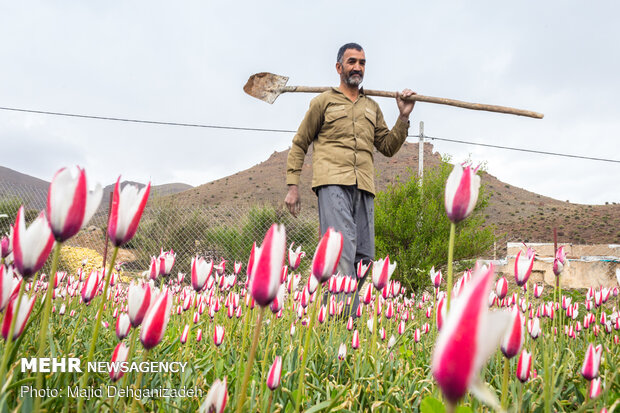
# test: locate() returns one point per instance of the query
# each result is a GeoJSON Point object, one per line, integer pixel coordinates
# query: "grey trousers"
{"type": "Point", "coordinates": [351, 212]}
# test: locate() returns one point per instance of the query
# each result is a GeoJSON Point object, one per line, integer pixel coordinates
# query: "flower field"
{"type": "Point", "coordinates": [265, 335]}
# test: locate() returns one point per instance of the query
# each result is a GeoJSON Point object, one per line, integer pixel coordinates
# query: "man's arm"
{"type": "Point", "coordinates": [388, 142]}
{"type": "Point", "coordinates": [309, 128]}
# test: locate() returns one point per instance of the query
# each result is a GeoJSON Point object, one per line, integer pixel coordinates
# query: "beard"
{"type": "Point", "coordinates": [352, 80]}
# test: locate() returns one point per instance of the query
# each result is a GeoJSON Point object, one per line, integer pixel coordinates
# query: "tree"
{"type": "Point", "coordinates": [412, 227]}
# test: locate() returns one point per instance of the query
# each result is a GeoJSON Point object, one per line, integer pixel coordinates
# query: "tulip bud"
{"type": "Point", "coordinates": [275, 374]}
{"type": "Point", "coordinates": [461, 193]}
{"type": "Point", "coordinates": [120, 354]}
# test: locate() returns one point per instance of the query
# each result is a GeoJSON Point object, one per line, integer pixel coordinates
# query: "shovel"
{"type": "Point", "coordinates": [267, 86]}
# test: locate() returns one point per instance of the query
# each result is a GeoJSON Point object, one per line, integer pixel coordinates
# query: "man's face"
{"type": "Point", "coordinates": [351, 70]}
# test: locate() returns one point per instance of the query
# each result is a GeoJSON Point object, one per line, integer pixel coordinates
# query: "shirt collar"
{"type": "Point", "coordinates": [361, 92]}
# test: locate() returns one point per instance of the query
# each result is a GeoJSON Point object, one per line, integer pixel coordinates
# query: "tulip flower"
{"type": "Point", "coordinates": [469, 336]}
{"type": "Point", "coordinates": [538, 290]}
{"type": "Point", "coordinates": [123, 324]}
{"type": "Point", "coordinates": [440, 316]}
{"type": "Point", "coordinates": [91, 286]}
{"type": "Point", "coordinates": [126, 211]}
{"type": "Point", "coordinates": [436, 277]}
{"type": "Point", "coordinates": [501, 288]}
{"type": "Point", "coordinates": [215, 402]}
{"type": "Point", "coordinates": [342, 351]}
{"type": "Point", "coordinates": [322, 314]}
{"type": "Point", "coordinates": [184, 334]}
{"type": "Point", "coordinates": [6, 244]}
{"type": "Point", "coordinates": [221, 267]}
{"type": "Point", "coordinates": [265, 278]}
{"type": "Point", "coordinates": [69, 203]}
{"type": "Point", "coordinates": [524, 366]}
{"type": "Point", "coordinates": [156, 320]}
{"type": "Point", "coordinates": [218, 335]}
{"type": "Point", "coordinates": [355, 341]}
{"type": "Point", "coordinates": [362, 269]}
{"type": "Point", "coordinates": [523, 266]}
{"type": "Point", "coordinates": [595, 388]}
{"type": "Point", "coordinates": [201, 270]}
{"type": "Point", "coordinates": [559, 262]}
{"type": "Point", "coordinates": [166, 262]}
{"type": "Point", "coordinates": [513, 339]}
{"type": "Point", "coordinates": [275, 374]}
{"type": "Point", "coordinates": [461, 194]}
{"type": "Point", "coordinates": [416, 335]}
{"type": "Point", "coordinates": [6, 285]}
{"type": "Point", "coordinates": [254, 253]}
{"type": "Point", "coordinates": [327, 255]}
{"type": "Point", "coordinates": [591, 362]}
{"type": "Point", "coordinates": [120, 354]}
{"type": "Point", "coordinates": [32, 245]}
{"type": "Point", "coordinates": [21, 315]}
{"type": "Point", "coordinates": [533, 327]}
{"type": "Point", "coordinates": [294, 257]}
{"type": "Point", "coordinates": [382, 272]}
{"type": "Point", "coordinates": [237, 267]}
{"type": "Point", "coordinates": [138, 302]}
{"type": "Point", "coordinates": [391, 341]}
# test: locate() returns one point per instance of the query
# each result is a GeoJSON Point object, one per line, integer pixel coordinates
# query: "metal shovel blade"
{"type": "Point", "coordinates": [265, 86]}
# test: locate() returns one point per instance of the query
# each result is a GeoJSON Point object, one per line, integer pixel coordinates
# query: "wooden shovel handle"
{"type": "Point", "coordinates": [429, 99]}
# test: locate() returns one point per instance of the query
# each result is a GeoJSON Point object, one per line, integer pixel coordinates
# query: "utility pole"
{"type": "Point", "coordinates": [421, 153]}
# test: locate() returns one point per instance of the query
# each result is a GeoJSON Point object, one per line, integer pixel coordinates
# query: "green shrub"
{"type": "Point", "coordinates": [411, 225]}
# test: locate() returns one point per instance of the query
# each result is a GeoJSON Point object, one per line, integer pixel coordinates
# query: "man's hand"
{"type": "Point", "coordinates": [405, 107]}
{"type": "Point", "coordinates": [292, 200]}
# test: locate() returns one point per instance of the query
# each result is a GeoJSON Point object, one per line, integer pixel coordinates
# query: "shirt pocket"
{"type": "Point", "coordinates": [371, 115]}
{"type": "Point", "coordinates": [334, 113]}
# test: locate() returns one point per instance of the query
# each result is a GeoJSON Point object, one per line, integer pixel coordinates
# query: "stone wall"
{"type": "Point", "coordinates": [589, 265]}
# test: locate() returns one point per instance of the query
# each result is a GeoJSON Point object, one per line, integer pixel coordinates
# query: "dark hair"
{"type": "Point", "coordinates": [345, 48]}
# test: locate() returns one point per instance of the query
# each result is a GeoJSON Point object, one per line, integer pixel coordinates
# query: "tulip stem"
{"type": "Point", "coordinates": [248, 367]}
{"type": "Point", "coordinates": [93, 342]}
{"type": "Point", "coordinates": [373, 349]}
{"type": "Point", "coordinates": [247, 319]}
{"type": "Point", "coordinates": [132, 342]}
{"type": "Point", "coordinates": [450, 258]}
{"type": "Point", "coordinates": [9, 338]}
{"type": "Point", "coordinates": [270, 402]}
{"type": "Point", "coordinates": [44, 321]}
{"type": "Point", "coordinates": [138, 382]}
{"type": "Point", "coordinates": [304, 354]}
{"type": "Point", "coordinates": [547, 383]}
{"type": "Point", "coordinates": [505, 383]}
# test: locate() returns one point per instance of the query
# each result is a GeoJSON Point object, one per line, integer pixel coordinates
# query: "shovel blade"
{"type": "Point", "coordinates": [265, 86]}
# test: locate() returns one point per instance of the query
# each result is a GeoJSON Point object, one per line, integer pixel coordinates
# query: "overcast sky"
{"type": "Point", "coordinates": [188, 61]}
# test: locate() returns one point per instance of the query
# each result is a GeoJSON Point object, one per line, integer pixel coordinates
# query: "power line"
{"type": "Point", "coordinates": [566, 155]}
{"type": "Point", "coordinates": [200, 125]}
{"type": "Point", "coordinates": [150, 122]}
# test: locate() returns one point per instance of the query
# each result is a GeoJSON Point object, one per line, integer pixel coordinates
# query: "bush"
{"type": "Point", "coordinates": [411, 225]}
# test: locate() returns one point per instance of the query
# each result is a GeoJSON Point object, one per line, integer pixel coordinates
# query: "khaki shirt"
{"type": "Point", "coordinates": [344, 134]}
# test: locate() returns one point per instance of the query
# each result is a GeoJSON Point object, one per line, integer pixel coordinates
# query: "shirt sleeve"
{"type": "Point", "coordinates": [308, 130]}
{"type": "Point", "coordinates": [388, 142]}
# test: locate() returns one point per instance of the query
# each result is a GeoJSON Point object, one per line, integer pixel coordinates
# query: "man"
{"type": "Point", "coordinates": [345, 126]}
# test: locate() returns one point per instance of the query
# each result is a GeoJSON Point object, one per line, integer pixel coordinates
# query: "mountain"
{"type": "Point", "coordinates": [26, 187]}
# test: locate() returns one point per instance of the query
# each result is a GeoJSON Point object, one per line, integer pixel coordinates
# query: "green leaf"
{"type": "Point", "coordinates": [432, 405]}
